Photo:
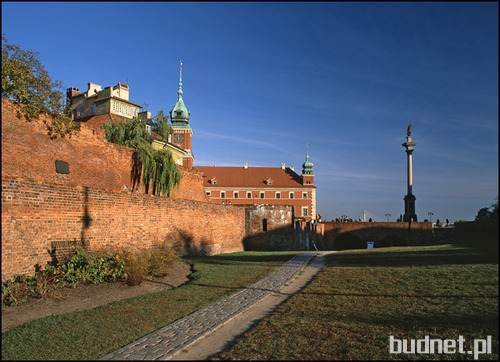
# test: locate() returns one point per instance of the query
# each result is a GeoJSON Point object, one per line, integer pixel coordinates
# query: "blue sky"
{"type": "Point", "coordinates": [264, 79]}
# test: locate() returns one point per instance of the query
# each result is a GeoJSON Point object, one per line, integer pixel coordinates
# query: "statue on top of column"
{"type": "Point", "coordinates": [408, 131]}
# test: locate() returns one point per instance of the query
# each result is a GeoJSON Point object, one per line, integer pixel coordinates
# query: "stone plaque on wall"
{"type": "Point", "coordinates": [62, 167]}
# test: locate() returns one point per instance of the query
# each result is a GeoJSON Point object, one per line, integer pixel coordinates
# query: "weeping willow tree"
{"type": "Point", "coordinates": [159, 171]}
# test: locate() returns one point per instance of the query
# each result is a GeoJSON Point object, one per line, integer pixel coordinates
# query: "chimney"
{"type": "Point", "coordinates": [246, 165]}
{"type": "Point", "coordinates": [93, 88]}
{"type": "Point", "coordinates": [283, 166]}
{"type": "Point", "coordinates": [71, 92]}
{"type": "Point", "coordinates": [144, 115]}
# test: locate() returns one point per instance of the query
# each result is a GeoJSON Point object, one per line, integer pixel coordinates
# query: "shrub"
{"type": "Point", "coordinates": [80, 267]}
{"type": "Point", "coordinates": [161, 261]}
{"type": "Point", "coordinates": [83, 266]}
{"type": "Point", "coordinates": [136, 266]}
{"type": "Point", "coordinates": [24, 287]}
{"type": "Point", "coordinates": [156, 261]}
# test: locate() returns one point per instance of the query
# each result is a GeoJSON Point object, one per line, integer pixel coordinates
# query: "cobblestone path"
{"type": "Point", "coordinates": [165, 342]}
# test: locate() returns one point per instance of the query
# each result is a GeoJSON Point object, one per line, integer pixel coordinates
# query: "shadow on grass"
{"type": "Point", "coordinates": [413, 257]}
{"type": "Point", "coordinates": [250, 257]}
{"type": "Point", "coordinates": [468, 322]}
{"type": "Point", "coordinates": [403, 295]}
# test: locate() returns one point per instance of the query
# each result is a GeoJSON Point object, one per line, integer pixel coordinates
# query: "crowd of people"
{"type": "Point", "coordinates": [348, 219]}
{"type": "Point", "coordinates": [338, 219]}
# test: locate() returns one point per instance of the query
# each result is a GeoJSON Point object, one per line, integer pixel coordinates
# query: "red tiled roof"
{"type": "Point", "coordinates": [98, 121]}
{"type": "Point", "coordinates": [251, 177]}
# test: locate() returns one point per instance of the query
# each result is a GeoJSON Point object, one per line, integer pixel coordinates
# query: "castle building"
{"type": "Point", "coordinates": [95, 101]}
{"type": "Point", "coordinates": [262, 185]}
{"type": "Point", "coordinates": [97, 106]}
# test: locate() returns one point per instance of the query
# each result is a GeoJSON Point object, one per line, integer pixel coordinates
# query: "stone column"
{"type": "Point", "coordinates": [409, 198]}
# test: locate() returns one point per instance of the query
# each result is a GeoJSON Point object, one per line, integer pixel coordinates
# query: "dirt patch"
{"type": "Point", "coordinates": [90, 296]}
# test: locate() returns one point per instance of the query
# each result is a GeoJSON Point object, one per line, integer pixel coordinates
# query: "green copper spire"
{"type": "Point", "coordinates": [179, 115]}
{"type": "Point", "coordinates": [307, 167]}
{"type": "Point", "coordinates": [179, 92]}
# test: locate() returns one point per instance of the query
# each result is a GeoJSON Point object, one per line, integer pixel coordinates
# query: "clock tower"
{"type": "Point", "coordinates": [182, 132]}
{"type": "Point", "coordinates": [308, 179]}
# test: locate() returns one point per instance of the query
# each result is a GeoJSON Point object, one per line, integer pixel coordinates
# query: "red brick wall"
{"type": "Point", "coordinates": [350, 226]}
{"type": "Point", "coordinates": [29, 153]}
{"type": "Point", "coordinates": [421, 232]}
{"type": "Point", "coordinates": [42, 209]}
{"type": "Point", "coordinates": [36, 216]}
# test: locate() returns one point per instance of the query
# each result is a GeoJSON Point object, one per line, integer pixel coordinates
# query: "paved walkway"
{"type": "Point", "coordinates": [167, 341]}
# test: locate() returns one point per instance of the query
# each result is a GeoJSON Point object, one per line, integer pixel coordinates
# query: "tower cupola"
{"type": "Point", "coordinates": [307, 167]}
{"type": "Point", "coordinates": [307, 170]}
{"type": "Point", "coordinates": [179, 115]}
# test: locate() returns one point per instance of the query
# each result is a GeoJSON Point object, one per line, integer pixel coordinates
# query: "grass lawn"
{"type": "Point", "coordinates": [93, 333]}
{"type": "Point", "coordinates": [362, 297]}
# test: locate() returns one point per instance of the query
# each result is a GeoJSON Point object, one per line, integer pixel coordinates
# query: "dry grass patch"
{"type": "Point", "coordinates": [349, 310]}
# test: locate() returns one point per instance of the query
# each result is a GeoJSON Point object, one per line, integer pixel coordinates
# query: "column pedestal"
{"type": "Point", "coordinates": [410, 208]}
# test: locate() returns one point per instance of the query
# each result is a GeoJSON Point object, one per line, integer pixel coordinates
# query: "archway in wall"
{"type": "Point", "coordinates": [390, 240]}
{"type": "Point", "coordinates": [348, 241]}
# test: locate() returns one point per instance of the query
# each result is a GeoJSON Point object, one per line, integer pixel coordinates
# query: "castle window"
{"type": "Point", "coordinates": [264, 225]}
{"type": "Point", "coordinates": [291, 195]}
{"type": "Point", "coordinates": [135, 112]}
{"type": "Point", "coordinates": [209, 193]}
{"type": "Point", "coordinates": [304, 195]}
{"type": "Point", "coordinates": [122, 108]}
{"type": "Point", "coordinates": [235, 194]}
{"type": "Point", "coordinates": [304, 210]}
{"type": "Point", "coordinates": [278, 194]}
{"type": "Point", "coordinates": [116, 106]}
{"type": "Point", "coordinates": [262, 194]}
{"type": "Point", "coordinates": [128, 110]}
{"type": "Point", "coordinates": [223, 194]}
{"type": "Point", "coordinates": [75, 113]}
{"type": "Point", "coordinates": [93, 108]}
{"type": "Point", "coordinates": [249, 194]}
{"type": "Point", "coordinates": [81, 111]}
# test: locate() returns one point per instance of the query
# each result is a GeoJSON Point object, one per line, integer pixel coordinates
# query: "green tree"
{"type": "Point", "coordinates": [159, 171]}
{"type": "Point", "coordinates": [483, 214]}
{"type": "Point", "coordinates": [489, 214]}
{"type": "Point", "coordinates": [161, 126]}
{"type": "Point", "coordinates": [25, 80]}
{"type": "Point", "coordinates": [494, 210]}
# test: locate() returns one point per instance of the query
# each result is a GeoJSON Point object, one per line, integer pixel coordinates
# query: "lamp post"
{"type": "Point", "coordinates": [430, 215]}
{"type": "Point", "coordinates": [388, 216]}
